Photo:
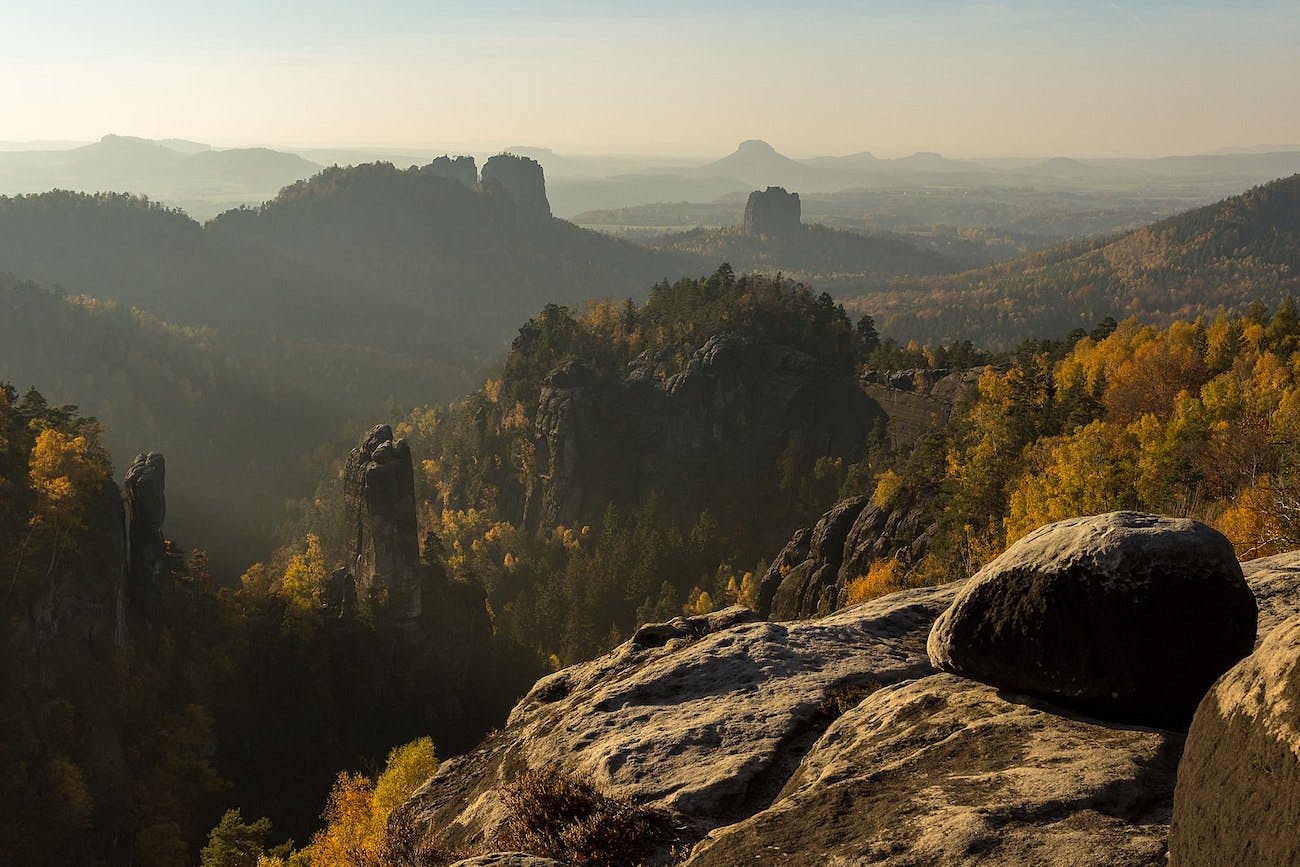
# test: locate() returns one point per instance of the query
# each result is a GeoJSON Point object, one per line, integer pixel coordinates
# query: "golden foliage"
{"type": "Point", "coordinates": [65, 471]}
{"type": "Point", "coordinates": [889, 485]}
{"type": "Point", "coordinates": [883, 577]}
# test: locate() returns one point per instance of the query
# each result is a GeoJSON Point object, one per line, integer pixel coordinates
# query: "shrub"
{"type": "Point", "coordinates": [553, 814]}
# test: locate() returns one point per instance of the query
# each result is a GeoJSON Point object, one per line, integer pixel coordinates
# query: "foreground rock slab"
{"type": "Point", "coordinates": [1238, 797]}
{"type": "Point", "coordinates": [705, 717]}
{"type": "Point", "coordinates": [832, 741]}
{"type": "Point", "coordinates": [1125, 616]}
{"type": "Point", "coordinates": [944, 770]}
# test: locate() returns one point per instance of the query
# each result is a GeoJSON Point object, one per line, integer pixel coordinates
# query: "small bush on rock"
{"type": "Point", "coordinates": [554, 814]}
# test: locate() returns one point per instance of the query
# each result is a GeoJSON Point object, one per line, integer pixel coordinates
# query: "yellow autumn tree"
{"type": "Point", "coordinates": [65, 471]}
{"type": "Point", "coordinates": [357, 813]}
{"type": "Point", "coordinates": [304, 575]}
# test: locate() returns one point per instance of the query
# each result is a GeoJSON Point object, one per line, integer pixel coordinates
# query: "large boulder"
{"type": "Point", "coordinates": [1125, 616]}
{"type": "Point", "coordinates": [1238, 795]}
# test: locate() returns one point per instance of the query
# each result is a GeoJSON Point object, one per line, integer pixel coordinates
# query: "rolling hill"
{"type": "Point", "coordinates": [1228, 254]}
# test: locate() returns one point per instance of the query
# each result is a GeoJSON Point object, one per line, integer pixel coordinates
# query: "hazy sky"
{"type": "Point", "coordinates": [671, 76]}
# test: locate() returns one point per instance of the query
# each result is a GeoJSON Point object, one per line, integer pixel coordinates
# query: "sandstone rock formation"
{"type": "Point", "coordinates": [812, 573]}
{"type": "Point", "coordinates": [729, 413]}
{"type": "Point", "coordinates": [525, 182]}
{"type": "Point", "coordinates": [943, 770]}
{"type": "Point", "coordinates": [145, 495]}
{"type": "Point", "coordinates": [772, 212]}
{"type": "Point", "coordinates": [705, 716]}
{"type": "Point", "coordinates": [1238, 795]}
{"type": "Point", "coordinates": [461, 169]}
{"type": "Point", "coordinates": [1126, 616]}
{"type": "Point", "coordinates": [833, 741]}
{"type": "Point", "coordinates": [379, 498]}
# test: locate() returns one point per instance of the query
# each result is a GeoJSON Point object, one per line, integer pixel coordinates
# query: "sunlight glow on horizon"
{"type": "Point", "coordinates": [1014, 78]}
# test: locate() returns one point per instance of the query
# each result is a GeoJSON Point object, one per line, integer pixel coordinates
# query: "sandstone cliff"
{"type": "Point", "coordinates": [726, 417]}
{"type": "Point", "coordinates": [524, 181]}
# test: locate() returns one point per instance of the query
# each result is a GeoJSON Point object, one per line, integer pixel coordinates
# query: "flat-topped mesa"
{"type": "Point", "coordinates": [524, 181]}
{"type": "Point", "coordinates": [772, 212]}
{"type": "Point", "coordinates": [145, 494]}
{"type": "Point", "coordinates": [379, 496]}
{"type": "Point", "coordinates": [462, 169]}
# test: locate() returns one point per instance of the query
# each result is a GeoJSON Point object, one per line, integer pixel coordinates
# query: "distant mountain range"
{"type": "Point", "coordinates": [204, 180]}
{"type": "Point", "coordinates": [1225, 255]}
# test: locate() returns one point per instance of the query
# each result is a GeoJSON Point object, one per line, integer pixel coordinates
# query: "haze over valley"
{"type": "Point", "coordinates": [541, 435]}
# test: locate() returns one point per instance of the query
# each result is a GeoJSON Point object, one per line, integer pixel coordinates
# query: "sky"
{"type": "Point", "coordinates": [672, 77]}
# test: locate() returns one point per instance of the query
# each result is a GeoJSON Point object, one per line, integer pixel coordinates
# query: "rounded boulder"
{"type": "Point", "coordinates": [1237, 799]}
{"type": "Point", "coordinates": [1124, 616]}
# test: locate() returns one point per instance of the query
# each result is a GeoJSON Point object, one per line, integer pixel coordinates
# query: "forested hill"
{"type": "Point", "coordinates": [631, 459]}
{"type": "Point", "coordinates": [808, 251]}
{"type": "Point", "coordinates": [1229, 254]}
{"type": "Point", "coordinates": [351, 292]}
{"type": "Point", "coordinates": [380, 257]}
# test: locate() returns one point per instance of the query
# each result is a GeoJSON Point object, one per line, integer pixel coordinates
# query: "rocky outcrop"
{"type": "Point", "coordinates": [524, 181]}
{"type": "Point", "coordinates": [145, 494]}
{"type": "Point", "coordinates": [379, 498]}
{"type": "Point", "coordinates": [461, 169]}
{"type": "Point", "coordinates": [832, 741]}
{"type": "Point", "coordinates": [772, 212]}
{"type": "Point", "coordinates": [809, 578]}
{"type": "Point", "coordinates": [943, 770]}
{"type": "Point", "coordinates": [724, 418]}
{"type": "Point", "coordinates": [1238, 795]}
{"type": "Point", "coordinates": [704, 716]}
{"type": "Point", "coordinates": [809, 584]}
{"type": "Point", "coordinates": [1125, 616]}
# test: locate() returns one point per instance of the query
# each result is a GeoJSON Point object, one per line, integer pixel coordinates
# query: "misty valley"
{"type": "Point", "coordinates": [645, 499]}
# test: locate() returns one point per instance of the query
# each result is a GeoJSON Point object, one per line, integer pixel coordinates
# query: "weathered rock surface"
{"type": "Point", "coordinates": [726, 415]}
{"type": "Point", "coordinates": [725, 720]}
{"type": "Point", "coordinates": [1274, 581]}
{"type": "Point", "coordinates": [1125, 616]}
{"type": "Point", "coordinates": [943, 770]}
{"type": "Point", "coordinates": [145, 493]}
{"type": "Point", "coordinates": [379, 499]}
{"type": "Point", "coordinates": [808, 578]}
{"type": "Point", "coordinates": [524, 181]}
{"type": "Point", "coordinates": [772, 212]}
{"type": "Point", "coordinates": [461, 169]}
{"type": "Point", "coordinates": [703, 716]}
{"type": "Point", "coordinates": [1238, 795]}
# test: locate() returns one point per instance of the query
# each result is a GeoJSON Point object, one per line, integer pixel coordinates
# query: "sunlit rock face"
{"type": "Point", "coordinates": [524, 181]}
{"type": "Point", "coordinates": [1238, 795]}
{"type": "Point", "coordinates": [772, 212]}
